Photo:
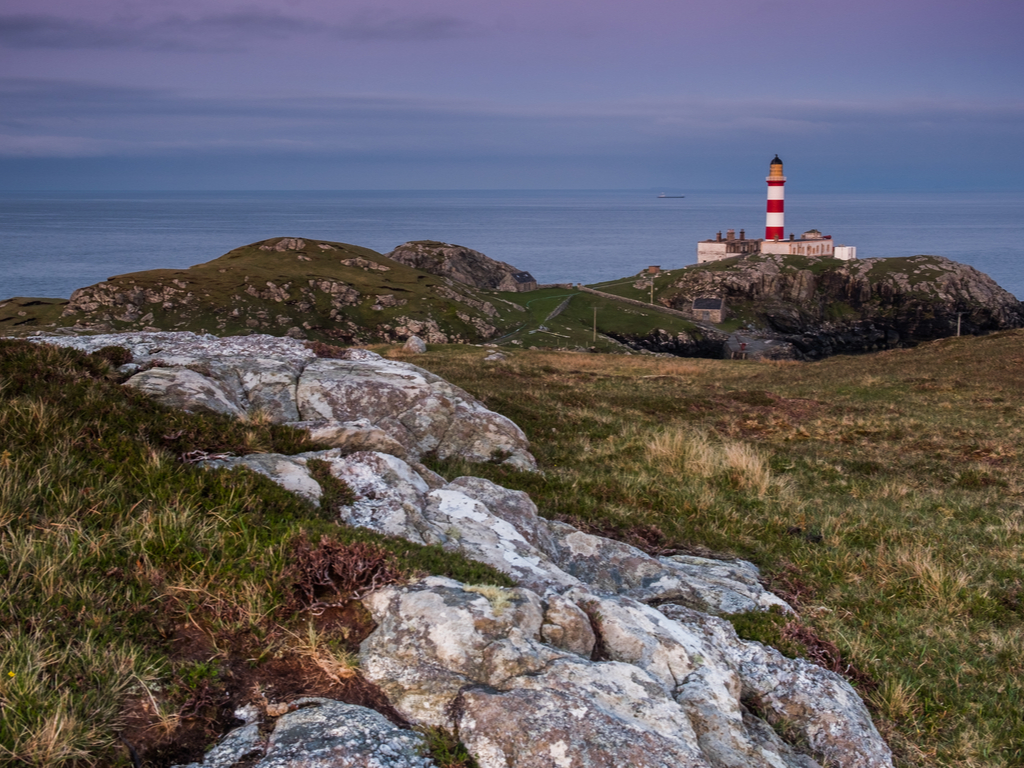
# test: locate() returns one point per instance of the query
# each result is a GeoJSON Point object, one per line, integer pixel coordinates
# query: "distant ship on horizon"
{"type": "Point", "coordinates": [671, 196]}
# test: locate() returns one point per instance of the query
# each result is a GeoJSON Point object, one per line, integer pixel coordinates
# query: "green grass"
{"type": "Point", "coordinates": [573, 327]}
{"type": "Point", "coordinates": [110, 548]}
{"type": "Point", "coordinates": [882, 494]}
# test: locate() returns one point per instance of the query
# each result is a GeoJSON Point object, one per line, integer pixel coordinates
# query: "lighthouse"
{"type": "Point", "coordinates": [775, 228]}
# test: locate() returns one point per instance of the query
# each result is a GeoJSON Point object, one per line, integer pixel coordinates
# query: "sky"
{"type": "Point", "coordinates": [673, 95]}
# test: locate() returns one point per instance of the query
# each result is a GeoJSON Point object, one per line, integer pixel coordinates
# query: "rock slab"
{"type": "Point", "coordinates": [281, 380]}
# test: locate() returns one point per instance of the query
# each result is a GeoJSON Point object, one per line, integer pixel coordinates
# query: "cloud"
{"type": "Point", "coordinates": [42, 31]}
{"type": "Point", "coordinates": [52, 146]}
{"type": "Point", "coordinates": [234, 30]}
{"type": "Point", "coordinates": [638, 143]}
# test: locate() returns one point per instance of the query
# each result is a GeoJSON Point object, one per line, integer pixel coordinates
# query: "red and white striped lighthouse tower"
{"type": "Point", "coordinates": [775, 226]}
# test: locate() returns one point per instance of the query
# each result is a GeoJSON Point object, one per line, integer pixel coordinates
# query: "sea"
{"type": "Point", "coordinates": [51, 244]}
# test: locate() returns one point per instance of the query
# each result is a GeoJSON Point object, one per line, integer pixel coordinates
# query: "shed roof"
{"type": "Point", "coordinates": [707, 303]}
{"type": "Point", "coordinates": [523, 277]}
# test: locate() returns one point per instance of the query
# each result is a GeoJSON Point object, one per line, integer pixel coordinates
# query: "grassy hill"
{"type": "Point", "coordinates": [335, 293]}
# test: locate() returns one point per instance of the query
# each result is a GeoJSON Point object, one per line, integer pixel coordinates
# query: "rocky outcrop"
{"type": "Point", "coordinates": [502, 528]}
{"type": "Point", "coordinates": [824, 306]}
{"type": "Point", "coordinates": [601, 655]}
{"type": "Point", "coordinates": [464, 265]}
{"type": "Point", "coordinates": [363, 400]}
{"type": "Point", "coordinates": [677, 687]}
{"type": "Point", "coordinates": [598, 657]}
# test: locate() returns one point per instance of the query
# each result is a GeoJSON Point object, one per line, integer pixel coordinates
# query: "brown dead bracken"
{"type": "Point", "coordinates": [333, 573]}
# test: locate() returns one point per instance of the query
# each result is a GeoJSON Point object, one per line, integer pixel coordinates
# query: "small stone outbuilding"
{"type": "Point", "coordinates": [709, 309]}
{"type": "Point", "coordinates": [519, 282]}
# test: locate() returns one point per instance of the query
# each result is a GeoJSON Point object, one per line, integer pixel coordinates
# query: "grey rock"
{"type": "Point", "coordinates": [415, 345]}
{"type": "Point", "coordinates": [322, 733]}
{"type": "Point", "coordinates": [435, 637]}
{"type": "Point", "coordinates": [553, 729]}
{"type": "Point", "coordinates": [821, 706]}
{"type": "Point", "coordinates": [457, 262]}
{"type": "Point", "coordinates": [378, 404]}
{"type": "Point", "coordinates": [233, 748]}
{"type": "Point", "coordinates": [352, 436]}
{"type": "Point", "coordinates": [390, 495]}
{"type": "Point", "coordinates": [514, 507]}
{"type": "Point", "coordinates": [290, 472]}
{"type": "Point", "coordinates": [418, 409]}
{"type": "Point", "coordinates": [474, 530]}
{"type": "Point", "coordinates": [616, 567]}
{"type": "Point", "coordinates": [674, 693]}
{"type": "Point", "coordinates": [188, 390]}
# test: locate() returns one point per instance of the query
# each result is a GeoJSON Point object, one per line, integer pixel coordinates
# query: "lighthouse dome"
{"type": "Point", "coordinates": [776, 161]}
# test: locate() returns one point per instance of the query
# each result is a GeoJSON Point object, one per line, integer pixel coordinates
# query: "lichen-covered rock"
{"type": "Point", "coordinates": [678, 689]}
{"type": "Point", "coordinates": [614, 566]}
{"type": "Point", "coordinates": [501, 527]}
{"type": "Point", "coordinates": [188, 390]}
{"type": "Point", "coordinates": [567, 626]}
{"type": "Point", "coordinates": [390, 495]}
{"type": "Point", "coordinates": [514, 507]}
{"type": "Point", "coordinates": [352, 436]}
{"type": "Point", "coordinates": [435, 637]}
{"type": "Point", "coordinates": [482, 536]}
{"type": "Point", "coordinates": [421, 411]}
{"type": "Point", "coordinates": [535, 728]}
{"type": "Point", "coordinates": [321, 733]}
{"type": "Point", "coordinates": [290, 472]}
{"type": "Point", "coordinates": [279, 379]}
{"type": "Point", "coordinates": [816, 703]}
{"type": "Point", "coordinates": [240, 744]}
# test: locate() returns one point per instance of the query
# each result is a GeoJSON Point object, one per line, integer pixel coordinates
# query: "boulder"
{"type": "Point", "coordinates": [390, 496]}
{"type": "Point", "coordinates": [613, 566]}
{"type": "Point", "coordinates": [189, 390]}
{"type": "Point", "coordinates": [421, 411]}
{"type": "Point", "coordinates": [415, 345]}
{"type": "Point", "coordinates": [321, 733]}
{"type": "Point", "coordinates": [360, 402]}
{"type": "Point", "coordinates": [352, 436]}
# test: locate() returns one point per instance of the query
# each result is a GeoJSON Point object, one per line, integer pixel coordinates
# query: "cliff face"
{"type": "Point", "coordinates": [827, 306]}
